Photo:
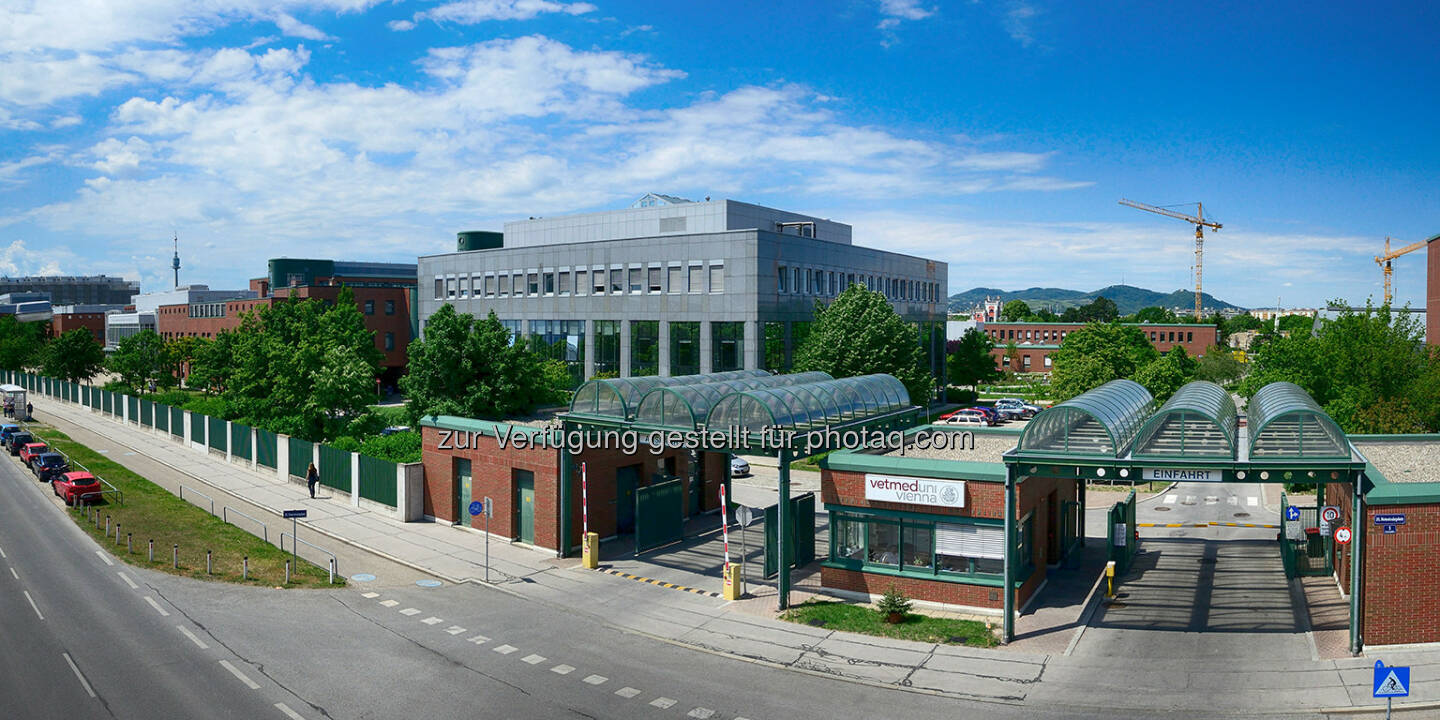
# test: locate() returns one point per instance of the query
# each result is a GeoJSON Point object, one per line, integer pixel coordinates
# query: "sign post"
{"type": "Point", "coordinates": [293, 516]}
{"type": "Point", "coordinates": [1391, 682]}
{"type": "Point", "coordinates": [483, 508]}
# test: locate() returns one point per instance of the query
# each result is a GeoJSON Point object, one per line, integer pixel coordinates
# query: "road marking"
{"type": "Point", "coordinates": [239, 675]}
{"type": "Point", "coordinates": [505, 649]}
{"type": "Point", "coordinates": [370, 595]}
{"type": "Point", "coordinates": [83, 682]}
{"type": "Point", "coordinates": [198, 642]}
{"type": "Point", "coordinates": [128, 581]}
{"type": "Point", "coordinates": [627, 692]}
{"type": "Point", "coordinates": [702, 713]}
{"type": "Point", "coordinates": [1252, 501]}
{"type": "Point", "coordinates": [454, 630]}
{"type": "Point", "coordinates": [1233, 500]}
{"type": "Point", "coordinates": [1171, 498]}
{"type": "Point", "coordinates": [389, 603]}
{"type": "Point", "coordinates": [562, 669]}
{"type": "Point", "coordinates": [2, 553]}
{"type": "Point", "coordinates": [479, 640]}
{"type": "Point", "coordinates": [596, 680]}
{"type": "Point", "coordinates": [33, 606]}
{"type": "Point", "coordinates": [282, 707]}
{"type": "Point", "coordinates": [432, 620]}
{"type": "Point", "coordinates": [663, 702]}
{"type": "Point", "coordinates": [1211, 500]}
{"type": "Point", "coordinates": [1189, 500]}
{"type": "Point", "coordinates": [409, 611]}
{"type": "Point", "coordinates": [12, 572]}
{"type": "Point", "coordinates": [533, 659]}
{"type": "Point", "coordinates": [105, 557]}
{"type": "Point", "coordinates": [156, 605]}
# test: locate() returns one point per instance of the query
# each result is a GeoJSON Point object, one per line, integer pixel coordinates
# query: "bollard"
{"type": "Point", "coordinates": [287, 572]}
{"type": "Point", "coordinates": [245, 568]}
{"type": "Point", "coordinates": [129, 543]}
{"type": "Point", "coordinates": [107, 524]}
{"type": "Point", "coordinates": [207, 562]}
{"type": "Point", "coordinates": [1110, 579]}
{"type": "Point", "coordinates": [152, 550]}
{"type": "Point", "coordinates": [175, 556]}
{"type": "Point", "coordinates": [332, 571]}
{"type": "Point", "coordinates": [117, 533]}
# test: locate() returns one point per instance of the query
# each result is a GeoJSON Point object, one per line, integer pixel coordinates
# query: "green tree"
{"type": "Point", "coordinates": [20, 343]}
{"type": "Point", "coordinates": [1154, 315]}
{"type": "Point", "coordinates": [74, 356]}
{"type": "Point", "coordinates": [1015, 310]}
{"type": "Point", "coordinates": [214, 363]}
{"type": "Point", "coordinates": [1097, 354]}
{"type": "Point", "coordinates": [1103, 309]}
{"type": "Point", "coordinates": [1297, 324]}
{"type": "Point", "coordinates": [142, 359]}
{"type": "Point", "coordinates": [468, 367]}
{"type": "Point", "coordinates": [1166, 374]}
{"type": "Point", "coordinates": [970, 360]}
{"type": "Point", "coordinates": [860, 334]}
{"type": "Point", "coordinates": [1218, 365]}
{"type": "Point", "coordinates": [183, 351]}
{"type": "Point", "coordinates": [1241, 323]}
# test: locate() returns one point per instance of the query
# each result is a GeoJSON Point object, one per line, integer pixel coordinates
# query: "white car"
{"type": "Point", "coordinates": [738, 467]}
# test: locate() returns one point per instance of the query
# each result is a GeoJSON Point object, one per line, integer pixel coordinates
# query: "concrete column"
{"type": "Point", "coordinates": [624, 348]}
{"type": "Point", "coordinates": [705, 351]}
{"type": "Point", "coordinates": [751, 346]}
{"type": "Point", "coordinates": [355, 479]}
{"type": "Point", "coordinates": [664, 348]}
{"type": "Point", "coordinates": [589, 356]}
{"type": "Point", "coordinates": [185, 423]}
{"type": "Point", "coordinates": [229, 441]}
{"type": "Point", "coordinates": [124, 407]}
{"type": "Point", "coordinates": [282, 458]}
{"type": "Point", "coordinates": [402, 500]}
{"type": "Point", "coordinates": [254, 449]}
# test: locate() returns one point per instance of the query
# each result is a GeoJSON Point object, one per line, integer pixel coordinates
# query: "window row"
{"type": "Point", "coordinates": [1022, 362]}
{"type": "Point", "coordinates": [962, 548]}
{"type": "Point", "coordinates": [369, 307]}
{"type": "Point", "coordinates": [830, 283]}
{"type": "Point", "coordinates": [633, 280]}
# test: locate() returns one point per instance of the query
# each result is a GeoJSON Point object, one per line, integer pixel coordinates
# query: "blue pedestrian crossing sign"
{"type": "Point", "coordinates": [1292, 513]}
{"type": "Point", "coordinates": [1392, 681]}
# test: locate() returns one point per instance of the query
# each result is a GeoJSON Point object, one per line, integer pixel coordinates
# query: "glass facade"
{"type": "Point", "coordinates": [607, 348]}
{"type": "Point", "coordinates": [774, 358]}
{"type": "Point", "coordinates": [940, 546]}
{"type": "Point", "coordinates": [727, 342]}
{"type": "Point", "coordinates": [684, 348]}
{"type": "Point", "coordinates": [644, 347]}
{"type": "Point", "coordinates": [562, 340]}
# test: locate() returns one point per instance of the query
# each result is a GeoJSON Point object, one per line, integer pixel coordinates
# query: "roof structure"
{"type": "Point", "coordinates": [810, 405]}
{"type": "Point", "coordinates": [1199, 420]}
{"type": "Point", "coordinates": [1101, 422]}
{"type": "Point", "coordinates": [619, 398]}
{"type": "Point", "coordinates": [679, 405]}
{"type": "Point", "coordinates": [1285, 422]}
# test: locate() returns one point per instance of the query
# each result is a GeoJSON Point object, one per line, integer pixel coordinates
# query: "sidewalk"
{"type": "Point", "coordinates": [1040, 677]}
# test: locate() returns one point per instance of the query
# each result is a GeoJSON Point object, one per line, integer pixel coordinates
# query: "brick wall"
{"type": "Point", "coordinates": [1401, 594]}
{"type": "Point", "coordinates": [94, 322]}
{"type": "Point", "coordinates": [1196, 339]}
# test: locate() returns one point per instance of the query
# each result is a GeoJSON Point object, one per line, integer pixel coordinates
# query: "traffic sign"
{"type": "Point", "coordinates": [1292, 513]}
{"type": "Point", "coordinates": [1391, 681]}
{"type": "Point", "coordinates": [476, 508]}
{"type": "Point", "coordinates": [291, 514]}
{"type": "Point", "coordinates": [744, 515]}
{"type": "Point", "coordinates": [1342, 535]}
{"type": "Point", "coordinates": [1330, 514]}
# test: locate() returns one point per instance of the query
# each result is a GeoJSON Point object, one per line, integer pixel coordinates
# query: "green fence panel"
{"type": "Point", "coordinates": [162, 416]}
{"type": "Point", "coordinates": [177, 422]}
{"type": "Point", "coordinates": [1123, 543]}
{"type": "Point", "coordinates": [334, 468]}
{"type": "Point", "coordinates": [266, 449]}
{"type": "Point", "coordinates": [216, 433]}
{"type": "Point", "coordinates": [659, 515]}
{"type": "Point", "coordinates": [147, 413]}
{"type": "Point", "coordinates": [134, 404]}
{"type": "Point", "coordinates": [197, 427]}
{"type": "Point", "coordinates": [800, 550]}
{"type": "Point", "coordinates": [301, 451]}
{"type": "Point", "coordinates": [377, 480]}
{"type": "Point", "coordinates": [240, 440]}
{"type": "Point", "coordinates": [107, 402]}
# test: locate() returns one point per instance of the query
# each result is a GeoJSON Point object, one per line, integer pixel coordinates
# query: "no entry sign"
{"type": "Point", "coordinates": [1342, 535]}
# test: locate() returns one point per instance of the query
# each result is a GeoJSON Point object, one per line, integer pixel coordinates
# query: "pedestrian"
{"type": "Point", "coordinates": [29, 409]}
{"type": "Point", "coordinates": [312, 476]}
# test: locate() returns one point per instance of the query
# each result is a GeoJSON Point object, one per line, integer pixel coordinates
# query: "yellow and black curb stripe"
{"type": "Point", "coordinates": [1208, 524]}
{"type": "Point", "coordinates": [668, 586]}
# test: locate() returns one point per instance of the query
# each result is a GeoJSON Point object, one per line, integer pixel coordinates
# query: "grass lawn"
{"type": "Point", "coordinates": [810, 463]}
{"type": "Point", "coordinates": [392, 414]}
{"type": "Point", "coordinates": [833, 615]}
{"type": "Point", "coordinates": [1139, 488]}
{"type": "Point", "coordinates": [151, 512]}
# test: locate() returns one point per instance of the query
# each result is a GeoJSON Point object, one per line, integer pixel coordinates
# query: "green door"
{"type": "Point", "coordinates": [626, 478]}
{"type": "Point", "coordinates": [525, 505]}
{"type": "Point", "coordinates": [697, 485]}
{"type": "Point", "coordinates": [463, 486]}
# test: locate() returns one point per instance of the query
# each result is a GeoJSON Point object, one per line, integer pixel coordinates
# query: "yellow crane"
{"type": "Point", "coordinates": [1384, 261]}
{"type": "Point", "coordinates": [1200, 223]}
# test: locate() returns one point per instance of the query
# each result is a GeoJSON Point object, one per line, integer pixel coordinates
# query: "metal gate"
{"type": "Point", "coordinates": [800, 540]}
{"type": "Point", "coordinates": [1123, 540]}
{"type": "Point", "coordinates": [1304, 549]}
{"type": "Point", "coordinates": [659, 515]}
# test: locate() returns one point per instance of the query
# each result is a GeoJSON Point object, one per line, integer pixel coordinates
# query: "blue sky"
{"type": "Point", "coordinates": [998, 136]}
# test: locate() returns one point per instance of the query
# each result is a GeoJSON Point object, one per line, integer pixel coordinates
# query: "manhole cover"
{"type": "Point", "coordinates": [362, 577]}
{"type": "Point", "coordinates": [1242, 514]}
{"type": "Point", "coordinates": [428, 583]}
{"type": "Point", "coordinates": [1162, 508]}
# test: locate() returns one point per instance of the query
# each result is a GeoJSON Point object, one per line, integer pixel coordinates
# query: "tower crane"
{"type": "Point", "coordinates": [1384, 261]}
{"type": "Point", "coordinates": [1200, 223]}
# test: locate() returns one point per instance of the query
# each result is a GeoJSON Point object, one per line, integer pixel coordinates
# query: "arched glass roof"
{"type": "Point", "coordinates": [688, 406]}
{"type": "Point", "coordinates": [808, 405]}
{"type": "Point", "coordinates": [620, 397]}
{"type": "Point", "coordinates": [1199, 420]}
{"type": "Point", "coordinates": [1098, 422]}
{"type": "Point", "coordinates": [1285, 422]}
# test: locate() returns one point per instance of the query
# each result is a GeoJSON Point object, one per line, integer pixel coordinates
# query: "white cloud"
{"type": "Point", "coordinates": [10, 170]}
{"type": "Point", "coordinates": [65, 121]}
{"type": "Point", "coordinates": [904, 10]}
{"type": "Point", "coordinates": [113, 156]}
{"type": "Point", "coordinates": [291, 27]}
{"type": "Point", "coordinates": [1013, 161]}
{"type": "Point", "coordinates": [17, 260]}
{"type": "Point", "coordinates": [472, 12]}
{"type": "Point", "coordinates": [400, 25]}
{"type": "Point", "coordinates": [1019, 16]}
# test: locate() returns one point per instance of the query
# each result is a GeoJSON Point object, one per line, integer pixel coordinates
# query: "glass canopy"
{"type": "Point", "coordinates": [809, 405]}
{"type": "Point", "coordinates": [620, 397]}
{"type": "Point", "coordinates": [687, 406]}
{"type": "Point", "coordinates": [1098, 422]}
{"type": "Point", "coordinates": [1285, 422]}
{"type": "Point", "coordinates": [1199, 420]}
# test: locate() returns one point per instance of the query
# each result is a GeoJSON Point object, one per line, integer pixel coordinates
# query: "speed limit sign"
{"type": "Point", "coordinates": [1330, 513]}
{"type": "Point", "coordinates": [1342, 535]}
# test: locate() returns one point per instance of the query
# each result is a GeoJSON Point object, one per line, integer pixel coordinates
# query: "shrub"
{"type": "Point", "coordinates": [960, 395]}
{"type": "Point", "coordinates": [893, 602]}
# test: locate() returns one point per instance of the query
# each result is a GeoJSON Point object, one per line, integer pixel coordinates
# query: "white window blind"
{"type": "Point", "coordinates": [972, 541]}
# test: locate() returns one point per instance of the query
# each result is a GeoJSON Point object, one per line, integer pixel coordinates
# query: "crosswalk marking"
{"type": "Point", "coordinates": [389, 603]}
{"type": "Point", "coordinates": [479, 640]}
{"type": "Point", "coordinates": [627, 692]}
{"type": "Point", "coordinates": [596, 679]}
{"type": "Point", "coordinates": [1233, 500]}
{"type": "Point", "coordinates": [1171, 498]}
{"type": "Point", "coordinates": [533, 659]}
{"type": "Point", "coordinates": [432, 620]}
{"type": "Point", "coordinates": [562, 669]}
{"type": "Point", "coordinates": [370, 595]}
{"type": "Point", "coordinates": [701, 713]}
{"type": "Point", "coordinates": [505, 649]}
{"type": "Point", "coordinates": [663, 702]}
{"type": "Point", "coordinates": [1252, 501]}
{"type": "Point", "coordinates": [454, 630]}
{"type": "Point", "coordinates": [410, 611]}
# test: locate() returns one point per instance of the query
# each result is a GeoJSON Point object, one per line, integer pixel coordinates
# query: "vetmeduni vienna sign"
{"type": "Point", "coordinates": [915, 491]}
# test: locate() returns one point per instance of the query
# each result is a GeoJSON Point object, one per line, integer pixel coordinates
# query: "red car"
{"type": "Point", "coordinates": [74, 487]}
{"type": "Point", "coordinates": [30, 450]}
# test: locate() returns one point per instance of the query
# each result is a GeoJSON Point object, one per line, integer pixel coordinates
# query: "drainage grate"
{"type": "Point", "coordinates": [1242, 514]}
{"type": "Point", "coordinates": [1162, 508]}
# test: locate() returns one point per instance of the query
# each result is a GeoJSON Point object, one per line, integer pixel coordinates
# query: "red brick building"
{"type": "Point", "coordinates": [87, 317]}
{"type": "Point", "coordinates": [1036, 342]}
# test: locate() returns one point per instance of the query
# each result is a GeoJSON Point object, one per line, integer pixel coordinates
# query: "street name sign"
{"type": "Point", "coordinates": [292, 514]}
{"type": "Point", "coordinates": [1390, 518]}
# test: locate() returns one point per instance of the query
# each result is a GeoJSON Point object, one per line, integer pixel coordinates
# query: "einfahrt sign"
{"type": "Point", "coordinates": [915, 491]}
{"type": "Point", "coordinates": [1181, 475]}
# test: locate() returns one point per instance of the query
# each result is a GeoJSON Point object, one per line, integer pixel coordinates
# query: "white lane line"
{"type": "Point", "coordinates": [627, 692]}
{"type": "Point", "coordinates": [1233, 500]}
{"type": "Point", "coordinates": [505, 649]}
{"type": "Point", "coordinates": [432, 620]}
{"type": "Point", "coordinates": [2, 553]}
{"type": "Point", "coordinates": [702, 713]}
{"type": "Point", "coordinates": [533, 659]}
{"type": "Point", "coordinates": [454, 630]}
{"type": "Point", "coordinates": [33, 606]}
{"type": "Point", "coordinates": [239, 675]}
{"type": "Point", "coordinates": [105, 557]}
{"type": "Point", "coordinates": [128, 581]}
{"type": "Point", "coordinates": [75, 669]}
{"type": "Point", "coordinates": [157, 607]}
{"type": "Point", "coordinates": [389, 603]}
{"type": "Point", "coordinates": [282, 707]}
{"type": "Point", "coordinates": [663, 702]}
{"type": "Point", "coordinates": [596, 679]}
{"type": "Point", "coordinates": [562, 669]}
{"type": "Point", "coordinates": [1252, 501]}
{"type": "Point", "coordinates": [410, 611]}
{"type": "Point", "coordinates": [370, 595]}
{"type": "Point", "coordinates": [198, 642]}
{"type": "Point", "coordinates": [12, 572]}
{"type": "Point", "coordinates": [1171, 498]}
{"type": "Point", "coordinates": [479, 640]}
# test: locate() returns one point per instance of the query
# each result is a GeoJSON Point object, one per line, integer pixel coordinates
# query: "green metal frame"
{"type": "Point", "coordinates": [1116, 409]}
{"type": "Point", "coordinates": [1197, 406]}
{"type": "Point", "coordinates": [1275, 408]}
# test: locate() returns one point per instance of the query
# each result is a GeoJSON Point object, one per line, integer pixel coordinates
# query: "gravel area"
{"type": "Point", "coordinates": [988, 448]}
{"type": "Point", "coordinates": [1404, 462]}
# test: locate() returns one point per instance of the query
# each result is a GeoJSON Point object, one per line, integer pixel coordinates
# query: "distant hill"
{"type": "Point", "coordinates": [1127, 298]}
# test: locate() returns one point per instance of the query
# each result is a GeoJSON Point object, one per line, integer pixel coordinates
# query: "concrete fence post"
{"type": "Point", "coordinates": [229, 441]}
{"type": "Point", "coordinates": [254, 449]}
{"type": "Point", "coordinates": [355, 479]}
{"type": "Point", "coordinates": [185, 426]}
{"type": "Point", "coordinates": [282, 457]}
{"type": "Point", "coordinates": [402, 503]}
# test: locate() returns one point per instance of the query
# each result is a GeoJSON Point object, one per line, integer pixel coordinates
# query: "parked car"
{"type": "Point", "coordinates": [995, 415]}
{"type": "Point", "coordinates": [50, 465]}
{"type": "Point", "coordinates": [28, 453]}
{"type": "Point", "coordinates": [394, 429]}
{"type": "Point", "coordinates": [18, 440]}
{"type": "Point", "coordinates": [738, 467]}
{"type": "Point", "coordinates": [6, 430]}
{"type": "Point", "coordinates": [76, 487]}
{"type": "Point", "coordinates": [968, 416]}
{"type": "Point", "coordinates": [1024, 409]}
